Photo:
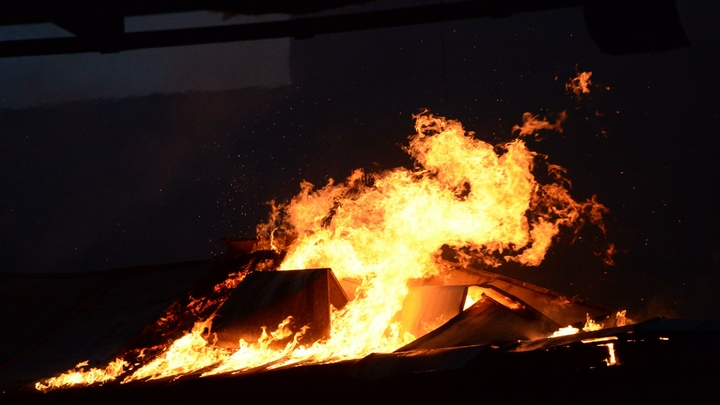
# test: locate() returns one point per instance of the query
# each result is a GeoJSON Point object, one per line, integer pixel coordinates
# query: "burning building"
{"type": "Point", "coordinates": [381, 282]}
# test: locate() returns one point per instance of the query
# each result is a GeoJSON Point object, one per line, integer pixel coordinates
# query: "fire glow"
{"type": "Point", "coordinates": [383, 230]}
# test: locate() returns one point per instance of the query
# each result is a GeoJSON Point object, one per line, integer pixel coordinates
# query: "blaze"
{"type": "Point", "coordinates": [387, 229]}
{"type": "Point", "coordinates": [79, 375]}
{"type": "Point", "coordinates": [383, 230]}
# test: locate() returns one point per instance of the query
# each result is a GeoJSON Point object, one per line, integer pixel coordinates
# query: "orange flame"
{"type": "Point", "coordinates": [580, 85]}
{"type": "Point", "coordinates": [192, 353]}
{"type": "Point", "coordinates": [78, 376]}
{"type": "Point", "coordinates": [566, 331]}
{"type": "Point", "coordinates": [591, 325]}
{"type": "Point", "coordinates": [612, 358]}
{"type": "Point", "coordinates": [385, 229]}
{"type": "Point", "coordinates": [621, 318]}
{"type": "Point", "coordinates": [531, 124]}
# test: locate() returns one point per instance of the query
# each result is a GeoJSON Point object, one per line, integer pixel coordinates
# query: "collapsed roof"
{"type": "Point", "coordinates": [62, 319]}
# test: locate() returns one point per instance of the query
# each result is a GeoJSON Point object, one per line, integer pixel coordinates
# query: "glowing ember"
{"type": "Point", "coordinates": [600, 339]}
{"type": "Point", "coordinates": [383, 230]}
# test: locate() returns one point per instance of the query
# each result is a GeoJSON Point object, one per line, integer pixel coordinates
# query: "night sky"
{"type": "Point", "coordinates": [96, 180]}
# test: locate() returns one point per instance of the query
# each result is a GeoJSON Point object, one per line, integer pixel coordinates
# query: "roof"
{"type": "Point", "coordinates": [54, 321]}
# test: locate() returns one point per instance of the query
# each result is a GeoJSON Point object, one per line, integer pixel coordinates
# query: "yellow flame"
{"type": "Point", "coordinates": [566, 331]}
{"type": "Point", "coordinates": [600, 339]}
{"type": "Point", "coordinates": [591, 325]}
{"type": "Point", "coordinates": [473, 296]}
{"type": "Point", "coordinates": [386, 229]}
{"type": "Point", "coordinates": [612, 358]}
{"type": "Point", "coordinates": [79, 376]}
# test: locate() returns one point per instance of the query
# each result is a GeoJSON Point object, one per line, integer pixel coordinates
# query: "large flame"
{"type": "Point", "coordinates": [383, 230]}
{"type": "Point", "coordinates": [387, 229]}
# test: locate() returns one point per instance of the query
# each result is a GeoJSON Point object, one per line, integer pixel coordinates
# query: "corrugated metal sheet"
{"type": "Point", "coordinates": [487, 322]}
{"type": "Point", "coordinates": [265, 299]}
{"type": "Point", "coordinates": [383, 365]}
{"type": "Point", "coordinates": [425, 308]}
{"type": "Point", "coordinates": [563, 309]}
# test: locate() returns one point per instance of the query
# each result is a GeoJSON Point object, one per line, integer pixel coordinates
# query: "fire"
{"type": "Point", "coordinates": [580, 85]}
{"type": "Point", "coordinates": [384, 230]}
{"type": "Point", "coordinates": [79, 376]}
{"type": "Point", "coordinates": [612, 358]}
{"type": "Point", "coordinates": [591, 325]}
{"type": "Point", "coordinates": [187, 354]}
{"type": "Point", "coordinates": [531, 125]}
{"type": "Point", "coordinates": [387, 229]}
{"type": "Point", "coordinates": [621, 319]}
{"type": "Point", "coordinates": [568, 330]}
{"type": "Point", "coordinates": [192, 353]}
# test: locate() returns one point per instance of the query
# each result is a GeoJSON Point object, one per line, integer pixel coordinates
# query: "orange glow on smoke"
{"type": "Point", "coordinates": [383, 230]}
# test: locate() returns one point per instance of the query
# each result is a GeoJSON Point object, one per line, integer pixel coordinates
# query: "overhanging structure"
{"type": "Point", "coordinates": [617, 27]}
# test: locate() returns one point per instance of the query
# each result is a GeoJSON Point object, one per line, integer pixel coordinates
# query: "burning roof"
{"type": "Point", "coordinates": [406, 248]}
{"type": "Point", "coordinates": [486, 343]}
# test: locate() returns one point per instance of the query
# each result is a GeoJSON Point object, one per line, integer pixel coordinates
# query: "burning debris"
{"type": "Point", "coordinates": [383, 235]}
{"type": "Point", "coordinates": [532, 125]}
{"type": "Point", "coordinates": [579, 85]}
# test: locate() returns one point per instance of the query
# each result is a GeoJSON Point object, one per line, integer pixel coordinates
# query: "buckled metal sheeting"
{"type": "Point", "coordinates": [265, 299]}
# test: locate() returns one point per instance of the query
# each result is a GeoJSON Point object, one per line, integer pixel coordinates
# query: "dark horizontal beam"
{"type": "Point", "coordinates": [47, 11]}
{"type": "Point", "coordinates": [303, 27]}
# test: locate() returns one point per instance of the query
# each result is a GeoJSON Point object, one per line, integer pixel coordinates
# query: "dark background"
{"type": "Point", "coordinates": [100, 183]}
